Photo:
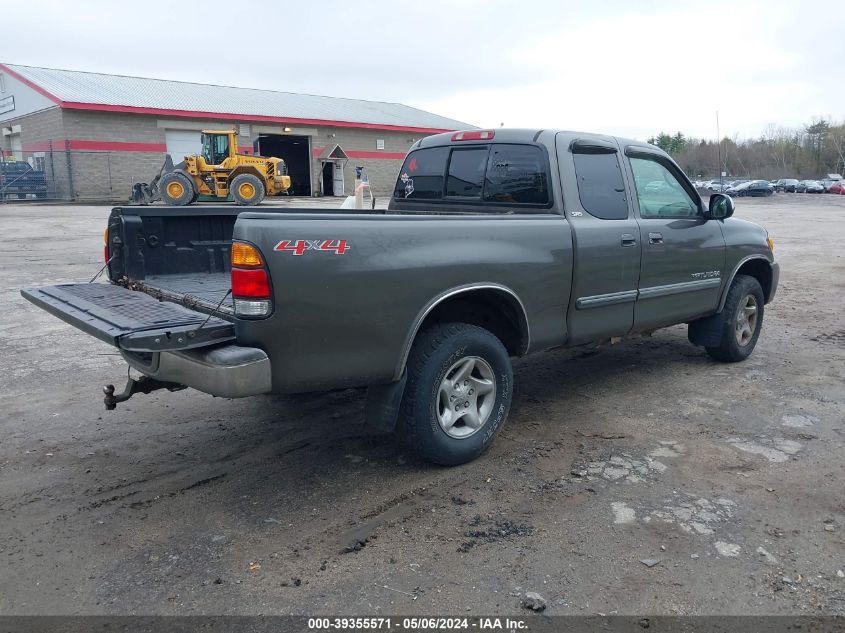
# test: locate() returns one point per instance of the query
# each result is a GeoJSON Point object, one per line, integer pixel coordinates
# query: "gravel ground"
{"type": "Point", "coordinates": [725, 479]}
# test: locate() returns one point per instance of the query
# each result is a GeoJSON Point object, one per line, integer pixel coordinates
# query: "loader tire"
{"type": "Point", "coordinates": [176, 189]}
{"type": "Point", "coordinates": [247, 189]}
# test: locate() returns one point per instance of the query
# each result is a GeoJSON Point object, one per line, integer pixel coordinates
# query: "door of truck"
{"type": "Point", "coordinates": [683, 254]}
{"type": "Point", "coordinates": [605, 236]}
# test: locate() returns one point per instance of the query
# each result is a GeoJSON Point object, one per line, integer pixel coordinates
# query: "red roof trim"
{"type": "Point", "coordinates": [35, 87]}
{"type": "Point", "coordinates": [74, 105]}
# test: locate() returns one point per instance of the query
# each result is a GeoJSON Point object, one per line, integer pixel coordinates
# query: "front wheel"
{"type": "Point", "coordinates": [742, 319]}
{"type": "Point", "coordinates": [458, 393]}
{"type": "Point", "coordinates": [176, 189]}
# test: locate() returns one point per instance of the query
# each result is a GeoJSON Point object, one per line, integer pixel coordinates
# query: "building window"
{"type": "Point", "coordinates": [380, 143]}
{"type": "Point", "coordinates": [2, 83]}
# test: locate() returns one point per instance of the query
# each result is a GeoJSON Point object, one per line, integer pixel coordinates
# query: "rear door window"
{"type": "Point", "coordinates": [516, 174]}
{"type": "Point", "coordinates": [600, 185]}
{"type": "Point", "coordinates": [421, 176]}
{"type": "Point", "coordinates": [466, 172]}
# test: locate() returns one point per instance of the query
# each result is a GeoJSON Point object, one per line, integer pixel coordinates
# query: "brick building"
{"type": "Point", "coordinates": [96, 134]}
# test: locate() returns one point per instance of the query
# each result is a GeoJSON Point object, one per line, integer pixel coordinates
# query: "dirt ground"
{"type": "Point", "coordinates": [729, 476]}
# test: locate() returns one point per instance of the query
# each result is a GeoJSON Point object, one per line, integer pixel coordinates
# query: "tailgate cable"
{"type": "Point", "coordinates": [192, 333]}
{"type": "Point", "coordinates": [94, 278]}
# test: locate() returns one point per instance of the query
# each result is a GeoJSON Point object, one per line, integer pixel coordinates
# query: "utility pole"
{"type": "Point", "coordinates": [719, 140]}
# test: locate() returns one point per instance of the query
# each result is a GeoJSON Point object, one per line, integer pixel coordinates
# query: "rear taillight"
{"type": "Point", "coordinates": [250, 282]}
{"type": "Point", "coordinates": [106, 246]}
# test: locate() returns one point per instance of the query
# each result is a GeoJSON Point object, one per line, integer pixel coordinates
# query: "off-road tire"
{"type": "Point", "coordinates": [433, 354]}
{"type": "Point", "coordinates": [181, 193]}
{"type": "Point", "coordinates": [729, 349]}
{"type": "Point", "coordinates": [241, 187]}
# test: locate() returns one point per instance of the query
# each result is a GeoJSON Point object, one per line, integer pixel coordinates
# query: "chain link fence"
{"type": "Point", "coordinates": [59, 174]}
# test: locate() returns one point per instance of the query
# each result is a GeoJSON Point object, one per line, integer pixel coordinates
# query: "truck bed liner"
{"type": "Point", "coordinates": [206, 292]}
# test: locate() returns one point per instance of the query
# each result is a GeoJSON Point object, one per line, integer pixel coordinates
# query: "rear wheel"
{"type": "Point", "coordinates": [742, 319]}
{"type": "Point", "coordinates": [176, 189]}
{"type": "Point", "coordinates": [247, 189]}
{"type": "Point", "coordinates": [458, 393]}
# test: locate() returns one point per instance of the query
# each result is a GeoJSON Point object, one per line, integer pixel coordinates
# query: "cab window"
{"type": "Point", "coordinates": [600, 185]}
{"type": "Point", "coordinates": [421, 176]}
{"type": "Point", "coordinates": [659, 192]}
{"type": "Point", "coordinates": [466, 172]}
{"type": "Point", "coordinates": [516, 174]}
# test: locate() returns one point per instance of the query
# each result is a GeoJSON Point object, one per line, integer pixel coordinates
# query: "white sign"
{"type": "Point", "coordinates": [7, 104]}
{"type": "Point", "coordinates": [380, 143]}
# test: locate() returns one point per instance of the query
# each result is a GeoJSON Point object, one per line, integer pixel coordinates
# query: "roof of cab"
{"type": "Point", "coordinates": [531, 135]}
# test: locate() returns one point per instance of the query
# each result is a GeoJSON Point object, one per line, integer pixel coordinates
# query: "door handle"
{"type": "Point", "coordinates": [655, 238]}
{"type": "Point", "coordinates": [628, 239]}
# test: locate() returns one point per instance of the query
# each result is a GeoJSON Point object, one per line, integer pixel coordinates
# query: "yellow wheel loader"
{"type": "Point", "coordinates": [219, 171]}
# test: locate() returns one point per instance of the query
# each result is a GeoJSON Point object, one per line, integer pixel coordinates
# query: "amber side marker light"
{"type": "Point", "coordinates": [245, 255]}
{"type": "Point", "coordinates": [771, 243]}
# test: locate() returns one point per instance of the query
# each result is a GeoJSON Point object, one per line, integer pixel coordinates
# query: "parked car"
{"type": "Point", "coordinates": [18, 179]}
{"type": "Point", "coordinates": [837, 188]}
{"type": "Point", "coordinates": [809, 186]}
{"type": "Point", "coordinates": [786, 185]}
{"type": "Point", "coordinates": [752, 188]}
{"type": "Point", "coordinates": [505, 242]}
{"type": "Point", "coordinates": [827, 183]}
{"type": "Point", "coordinates": [716, 186]}
{"type": "Point", "coordinates": [737, 189]}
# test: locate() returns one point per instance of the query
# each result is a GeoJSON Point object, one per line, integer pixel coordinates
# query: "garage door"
{"type": "Point", "coordinates": [181, 143]}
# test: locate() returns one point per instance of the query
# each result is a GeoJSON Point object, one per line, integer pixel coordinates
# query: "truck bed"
{"type": "Point", "coordinates": [200, 291]}
{"type": "Point", "coordinates": [176, 254]}
{"type": "Point", "coordinates": [181, 254]}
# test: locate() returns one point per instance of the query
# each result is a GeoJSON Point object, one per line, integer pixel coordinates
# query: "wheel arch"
{"type": "Point", "coordinates": [247, 169]}
{"type": "Point", "coordinates": [756, 266]}
{"type": "Point", "coordinates": [492, 306]}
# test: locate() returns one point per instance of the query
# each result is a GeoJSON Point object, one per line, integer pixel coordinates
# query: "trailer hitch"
{"type": "Point", "coordinates": [144, 384]}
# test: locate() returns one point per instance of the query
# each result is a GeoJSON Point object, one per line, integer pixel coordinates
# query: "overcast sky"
{"type": "Point", "coordinates": [621, 67]}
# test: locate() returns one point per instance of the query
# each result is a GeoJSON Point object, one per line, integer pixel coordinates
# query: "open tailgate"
{"type": "Point", "coordinates": [130, 320]}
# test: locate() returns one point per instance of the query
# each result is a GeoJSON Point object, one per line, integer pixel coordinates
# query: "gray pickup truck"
{"type": "Point", "coordinates": [495, 244]}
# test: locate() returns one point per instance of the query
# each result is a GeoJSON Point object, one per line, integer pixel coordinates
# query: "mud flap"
{"type": "Point", "coordinates": [381, 408]}
{"type": "Point", "coordinates": [706, 332]}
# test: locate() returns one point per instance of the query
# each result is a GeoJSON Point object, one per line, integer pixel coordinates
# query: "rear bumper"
{"type": "Point", "coordinates": [227, 371]}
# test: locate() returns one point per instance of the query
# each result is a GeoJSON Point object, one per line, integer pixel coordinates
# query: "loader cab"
{"type": "Point", "coordinates": [217, 146]}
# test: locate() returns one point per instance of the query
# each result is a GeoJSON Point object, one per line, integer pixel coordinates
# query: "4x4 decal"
{"type": "Point", "coordinates": [298, 247]}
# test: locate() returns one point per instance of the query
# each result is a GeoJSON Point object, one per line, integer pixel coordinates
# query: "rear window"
{"type": "Point", "coordinates": [600, 185]}
{"type": "Point", "coordinates": [421, 176]}
{"type": "Point", "coordinates": [466, 172]}
{"type": "Point", "coordinates": [516, 173]}
{"type": "Point", "coordinates": [503, 174]}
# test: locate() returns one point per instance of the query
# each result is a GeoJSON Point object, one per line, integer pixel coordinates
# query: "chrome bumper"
{"type": "Point", "coordinates": [227, 371]}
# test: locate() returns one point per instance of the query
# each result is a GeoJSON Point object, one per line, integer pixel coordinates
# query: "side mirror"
{"type": "Point", "coordinates": [721, 206]}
